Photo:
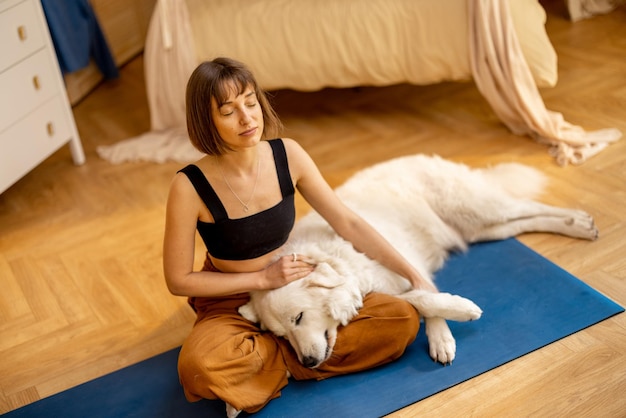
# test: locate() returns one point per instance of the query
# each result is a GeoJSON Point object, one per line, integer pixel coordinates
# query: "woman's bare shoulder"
{"type": "Point", "coordinates": [295, 150]}
{"type": "Point", "coordinates": [290, 143]}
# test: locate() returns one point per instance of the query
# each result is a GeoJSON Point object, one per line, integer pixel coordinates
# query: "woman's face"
{"type": "Point", "coordinates": [239, 120]}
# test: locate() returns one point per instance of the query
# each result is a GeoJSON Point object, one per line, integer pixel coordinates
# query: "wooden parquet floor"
{"type": "Point", "coordinates": [80, 247]}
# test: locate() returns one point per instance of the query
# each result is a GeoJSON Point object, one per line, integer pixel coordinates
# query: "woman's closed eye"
{"type": "Point", "coordinates": [229, 112]}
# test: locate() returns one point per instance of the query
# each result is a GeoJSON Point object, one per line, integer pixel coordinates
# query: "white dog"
{"type": "Point", "coordinates": [426, 207]}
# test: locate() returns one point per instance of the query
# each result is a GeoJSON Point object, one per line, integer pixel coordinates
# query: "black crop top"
{"type": "Point", "coordinates": [252, 236]}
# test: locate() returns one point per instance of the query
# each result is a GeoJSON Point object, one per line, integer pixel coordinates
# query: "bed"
{"type": "Point", "coordinates": [309, 45]}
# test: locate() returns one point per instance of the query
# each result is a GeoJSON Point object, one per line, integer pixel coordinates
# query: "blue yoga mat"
{"type": "Point", "coordinates": [528, 302]}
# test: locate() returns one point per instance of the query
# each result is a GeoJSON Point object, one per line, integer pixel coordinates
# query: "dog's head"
{"type": "Point", "coordinates": [307, 312]}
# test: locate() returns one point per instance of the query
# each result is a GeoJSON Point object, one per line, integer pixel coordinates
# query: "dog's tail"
{"type": "Point", "coordinates": [518, 180]}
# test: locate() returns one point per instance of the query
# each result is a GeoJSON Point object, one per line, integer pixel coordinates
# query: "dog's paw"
{"type": "Point", "coordinates": [441, 343]}
{"type": "Point", "coordinates": [459, 308]}
{"type": "Point", "coordinates": [581, 225]}
{"type": "Point", "coordinates": [444, 305]}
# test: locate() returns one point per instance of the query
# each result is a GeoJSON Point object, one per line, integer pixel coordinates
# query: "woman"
{"type": "Point", "coordinates": [240, 199]}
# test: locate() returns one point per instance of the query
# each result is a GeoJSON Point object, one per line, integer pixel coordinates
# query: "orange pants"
{"type": "Point", "coordinates": [227, 357]}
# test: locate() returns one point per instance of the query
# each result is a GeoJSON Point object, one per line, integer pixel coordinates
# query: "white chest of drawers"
{"type": "Point", "coordinates": [35, 116]}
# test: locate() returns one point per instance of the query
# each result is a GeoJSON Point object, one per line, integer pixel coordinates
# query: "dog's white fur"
{"type": "Point", "coordinates": [426, 207]}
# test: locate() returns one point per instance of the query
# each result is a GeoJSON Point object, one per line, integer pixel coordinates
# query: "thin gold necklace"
{"type": "Point", "coordinates": [256, 181]}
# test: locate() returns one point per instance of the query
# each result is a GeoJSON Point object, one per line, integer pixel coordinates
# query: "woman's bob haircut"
{"type": "Point", "coordinates": [214, 80]}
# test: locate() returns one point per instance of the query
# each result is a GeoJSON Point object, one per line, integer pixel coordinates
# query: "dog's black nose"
{"type": "Point", "coordinates": [309, 361]}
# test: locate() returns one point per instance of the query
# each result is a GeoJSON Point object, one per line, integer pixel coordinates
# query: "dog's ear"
{"type": "Point", "coordinates": [341, 299]}
{"type": "Point", "coordinates": [248, 312]}
{"type": "Point", "coordinates": [344, 308]}
{"type": "Point", "coordinates": [324, 276]}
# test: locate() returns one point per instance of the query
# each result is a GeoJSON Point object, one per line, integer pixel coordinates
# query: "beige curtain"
{"type": "Point", "coordinates": [504, 79]}
{"type": "Point", "coordinates": [170, 56]}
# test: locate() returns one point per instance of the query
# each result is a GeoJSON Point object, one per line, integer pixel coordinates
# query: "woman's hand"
{"type": "Point", "coordinates": [287, 269]}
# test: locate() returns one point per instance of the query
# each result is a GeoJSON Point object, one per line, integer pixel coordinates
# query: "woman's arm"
{"type": "Point", "coordinates": [182, 212]}
{"type": "Point", "coordinates": [344, 221]}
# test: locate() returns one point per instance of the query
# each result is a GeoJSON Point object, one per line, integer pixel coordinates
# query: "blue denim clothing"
{"type": "Point", "coordinates": [77, 36]}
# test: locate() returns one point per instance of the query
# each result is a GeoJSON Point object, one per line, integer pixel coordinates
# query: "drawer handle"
{"type": "Point", "coordinates": [21, 32]}
{"type": "Point", "coordinates": [36, 82]}
{"type": "Point", "coordinates": [50, 128]}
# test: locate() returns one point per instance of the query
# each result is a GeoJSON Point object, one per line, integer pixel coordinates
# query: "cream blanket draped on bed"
{"type": "Point", "coordinates": [484, 47]}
